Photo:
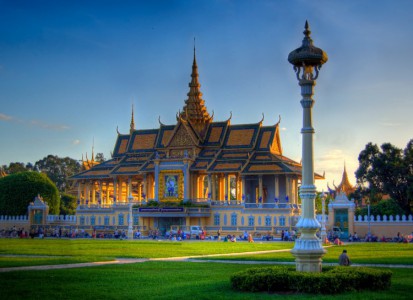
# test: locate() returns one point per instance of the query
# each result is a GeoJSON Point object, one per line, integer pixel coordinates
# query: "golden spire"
{"type": "Point", "coordinates": [132, 122]}
{"type": "Point", "coordinates": [345, 185]}
{"type": "Point", "coordinates": [194, 109]}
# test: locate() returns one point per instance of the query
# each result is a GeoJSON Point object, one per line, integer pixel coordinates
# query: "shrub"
{"type": "Point", "coordinates": [18, 190]}
{"type": "Point", "coordinates": [331, 281]}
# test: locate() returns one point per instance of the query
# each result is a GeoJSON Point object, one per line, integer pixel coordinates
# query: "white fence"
{"type": "Point", "coordinates": [14, 219]}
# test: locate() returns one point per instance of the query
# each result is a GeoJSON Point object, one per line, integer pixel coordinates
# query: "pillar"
{"type": "Point", "coordinates": [260, 193]}
{"type": "Point", "coordinates": [115, 190]}
{"type": "Point", "coordinates": [107, 192]}
{"type": "Point", "coordinates": [243, 196]}
{"type": "Point", "coordinates": [226, 188]}
{"type": "Point", "coordinates": [209, 187]}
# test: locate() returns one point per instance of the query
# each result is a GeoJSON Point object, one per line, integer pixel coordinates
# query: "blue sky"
{"type": "Point", "coordinates": [69, 72]}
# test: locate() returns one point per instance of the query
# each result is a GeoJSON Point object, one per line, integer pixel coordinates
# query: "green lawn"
{"type": "Point", "coordinates": [360, 253]}
{"type": "Point", "coordinates": [160, 280]}
{"type": "Point", "coordinates": [82, 250]}
{"type": "Point", "coordinates": [169, 280]}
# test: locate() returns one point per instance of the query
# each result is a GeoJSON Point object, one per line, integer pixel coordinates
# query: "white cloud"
{"type": "Point", "coordinates": [76, 142]}
{"type": "Point", "coordinates": [389, 124]}
{"type": "Point", "coordinates": [4, 117]}
{"type": "Point", "coordinates": [44, 125]}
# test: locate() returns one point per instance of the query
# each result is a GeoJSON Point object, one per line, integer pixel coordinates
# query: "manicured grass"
{"type": "Point", "coordinates": [20, 261]}
{"type": "Point", "coordinates": [129, 249]}
{"type": "Point", "coordinates": [360, 253]}
{"type": "Point", "coordinates": [161, 280]}
{"type": "Point", "coordinates": [82, 250]}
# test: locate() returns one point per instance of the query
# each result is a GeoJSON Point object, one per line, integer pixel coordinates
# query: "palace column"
{"type": "Point", "coordinates": [214, 187]}
{"type": "Point", "coordinates": [221, 187]}
{"type": "Point", "coordinates": [93, 192]}
{"type": "Point", "coordinates": [187, 180]}
{"type": "Point", "coordinates": [243, 196]}
{"type": "Point", "coordinates": [226, 182]}
{"type": "Point", "coordinates": [307, 61]}
{"type": "Point", "coordinates": [79, 192]}
{"type": "Point", "coordinates": [115, 189]}
{"type": "Point", "coordinates": [276, 189]}
{"type": "Point", "coordinates": [156, 161]}
{"type": "Point", "coordinates": [100, 192]}
{"type": "Point", "coordinates": [139, 191]}
{"type": "Point", "coordinates": [238, 188]}
{"type": "Point", "coordinates": [287, 189]}
{"type": "Point", "coordinates": [130, 186]}
{"type": "Point", "coordinates": [87, 192]}
{"type": "Point", "coordinates": [260, 199]}
{"type": "Point", "coordinates": [144, 185]}
{"type": "Point", "coordinates": [107, 192]}
{"type": "Point", "coordinates": [209, 187]}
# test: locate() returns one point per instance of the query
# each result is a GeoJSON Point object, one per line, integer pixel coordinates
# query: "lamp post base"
{"type": "Point", "coordinates": [308, 261]}
{"type": "Point", "coordinates": [308, 251]}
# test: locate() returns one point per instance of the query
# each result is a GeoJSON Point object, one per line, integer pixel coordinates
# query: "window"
{"type": "Point", "coordinates": [120, 219]}
{"type": "Point", "coordinates": [82, 220]}
{"type": "Point", "coordinates": [282, 221]}
{"type": "Point", "coordinates": [251, 221]}
{"type": "Point", "coordinates": [259, 220]}
{"type": "Point", "coordinates": [267, 221]}
{"type": "Point", "coordinates": [217, 220]}
{"type": "Point", "coordinates": [135, 220]}
{"type": "Point", "coordinates": [225, 219]}
{"type": "Point", "coordinates": [242, 220]}
{"type": "Point", "coordinates": [275, 221]}
{"type": "Point", "coordinates": [107, 221]}
{"type": "Point", "coordinates": [233, 220]}
{"type": "Point", "coordinates": [93, 220]}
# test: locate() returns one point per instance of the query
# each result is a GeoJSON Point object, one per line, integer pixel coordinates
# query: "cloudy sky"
{"type": "Point", "coordinates": [70, 71]}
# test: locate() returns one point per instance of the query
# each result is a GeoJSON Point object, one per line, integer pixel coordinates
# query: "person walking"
{"type": "Point", "coordinates": [343, 259]}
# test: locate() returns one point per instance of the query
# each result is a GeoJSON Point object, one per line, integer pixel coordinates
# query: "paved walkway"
{"type": "Point", "coordinates": [194, 259]}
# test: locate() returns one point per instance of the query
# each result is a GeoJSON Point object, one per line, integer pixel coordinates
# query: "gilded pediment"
{"type": "Point", "coordinates": [183, 137]}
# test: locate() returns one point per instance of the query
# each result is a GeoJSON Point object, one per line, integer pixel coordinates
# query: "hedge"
{"type": "Point", "coordinates": [333, 280]}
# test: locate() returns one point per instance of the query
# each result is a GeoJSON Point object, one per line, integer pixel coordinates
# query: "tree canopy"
{"type": "Point", "coordinates": [387, 170]}
{"type": "Point", "coordinates": [18, 190]}
{"type": "Point", "coordinates": [58, 169]}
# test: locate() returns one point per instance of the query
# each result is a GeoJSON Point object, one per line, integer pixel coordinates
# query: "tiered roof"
{"type": "Point", "coordinates": [213, 147]}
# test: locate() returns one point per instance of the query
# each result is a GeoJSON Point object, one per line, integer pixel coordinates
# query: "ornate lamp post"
{"type": "Point", "coordinates": [307, 61]}
{"type": "Point", "coordinates": [130, 218]}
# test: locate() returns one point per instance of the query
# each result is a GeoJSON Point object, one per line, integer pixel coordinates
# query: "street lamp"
{"type": "Point", "coordinates": [307, 61]}
{"type": "Point", "coordinates": [130, 219]}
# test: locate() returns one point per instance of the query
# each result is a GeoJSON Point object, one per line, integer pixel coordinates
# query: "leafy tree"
{"type": "Point", "coordinates": [67, 204]}
{"type": "Point", "coordinates": [387, 171]}
{"type": "Point", "coordinates": [18, 190]}
{"type": "Point", "coordinates": [14, 167]}
{"type": "Point", "coordinates": [100, 158]}
{"type": "Point", "coordinates": [384, 207]}
{"type": "Point", "coordinates": [319, 203]}
{"type": "Point", "coordinates": [58, 169]}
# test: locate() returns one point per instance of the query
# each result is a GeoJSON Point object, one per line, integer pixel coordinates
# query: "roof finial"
{"type": "Point", "coordinates": [194, 47]}
{"type": "Point", "coordinates": [132, 122]}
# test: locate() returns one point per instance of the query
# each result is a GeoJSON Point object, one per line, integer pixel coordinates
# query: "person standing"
{"type": "Point", "coordinates": [343, 259]}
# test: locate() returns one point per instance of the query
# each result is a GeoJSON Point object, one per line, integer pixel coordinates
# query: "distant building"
{"type": "Point", "coordinates": [344, 187]}
{"type": "Point", "coordinates": [238, 172]}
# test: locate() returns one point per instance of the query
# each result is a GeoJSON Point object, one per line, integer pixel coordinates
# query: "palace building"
{"type": "Point", "coordinates": [198, 171]}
